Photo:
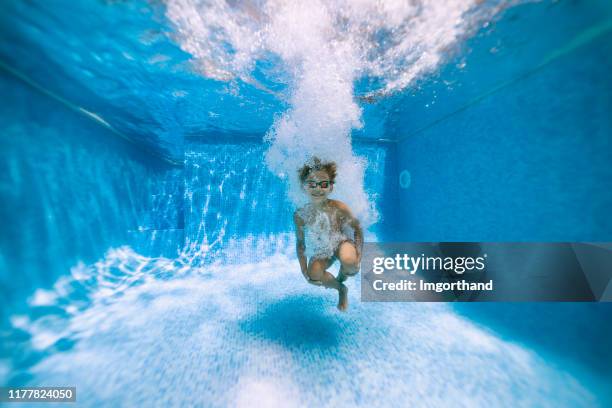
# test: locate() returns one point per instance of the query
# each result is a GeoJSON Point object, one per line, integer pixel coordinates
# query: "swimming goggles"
{"type": "Point", "coordinates": [323, 184]}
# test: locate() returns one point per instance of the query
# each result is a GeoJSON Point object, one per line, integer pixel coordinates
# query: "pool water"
{"type": "Point", "coordinates": [147, 250]}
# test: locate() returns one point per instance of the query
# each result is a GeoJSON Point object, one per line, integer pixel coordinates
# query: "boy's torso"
{"type": "Point", "coordinates": [329, 213]}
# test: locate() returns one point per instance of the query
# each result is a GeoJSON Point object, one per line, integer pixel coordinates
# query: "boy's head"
{"type": "Point", "coordinates": [317, 179]}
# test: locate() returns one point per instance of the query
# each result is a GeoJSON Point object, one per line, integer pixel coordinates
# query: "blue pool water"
{"type": "Point", "coordinates": [147, 251]}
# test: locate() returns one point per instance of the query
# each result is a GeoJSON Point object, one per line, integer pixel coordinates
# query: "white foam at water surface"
{"type": "Point", "coordinates": [393, 40]}
{"type": "Point", "coordinates": [324, 48]}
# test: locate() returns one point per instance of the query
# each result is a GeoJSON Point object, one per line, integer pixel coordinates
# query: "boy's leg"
{"type": "Point", "coordinates": [317, 273]}
{"type": "Point", "coordinates": [347, 255]}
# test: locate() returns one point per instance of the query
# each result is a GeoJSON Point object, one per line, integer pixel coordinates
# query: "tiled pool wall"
{"type": "Point", "coordinates": [71, 190]}
{"type": "Point", "coordinates": [524, 154]}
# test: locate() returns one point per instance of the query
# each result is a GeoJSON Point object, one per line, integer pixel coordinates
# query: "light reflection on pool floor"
{"type": "Point", "coordinates": [131, 330]}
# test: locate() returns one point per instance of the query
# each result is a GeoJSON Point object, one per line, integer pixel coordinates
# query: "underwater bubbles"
{"type": "Point", "coordinates": [323, 48]}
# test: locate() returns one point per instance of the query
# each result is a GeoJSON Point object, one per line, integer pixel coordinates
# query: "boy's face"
{"type": "Point", "coordinates": [318, 186]}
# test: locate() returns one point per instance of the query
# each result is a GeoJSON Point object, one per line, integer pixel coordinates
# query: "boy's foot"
{"type": "Point", "coordinates": [342, 298]}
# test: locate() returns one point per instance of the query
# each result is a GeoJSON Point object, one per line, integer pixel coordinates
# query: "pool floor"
{"type": "Point", "coordinates": [137, 331]}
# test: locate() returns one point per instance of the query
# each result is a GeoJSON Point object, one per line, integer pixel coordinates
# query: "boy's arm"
{"type": "Point", "coordinates": [354, 223]}
{"type": "Point", "coordinates": [358, 237]}
{"type": "Point", "coordinates": [300, 246]}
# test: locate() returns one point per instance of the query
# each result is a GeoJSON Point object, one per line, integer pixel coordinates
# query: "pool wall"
{"type": "Point", "coordinates": [518, 151]}
{"type": "Point", "coordinates": [71, 190]}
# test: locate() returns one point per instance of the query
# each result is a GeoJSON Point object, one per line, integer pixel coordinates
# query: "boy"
{"type": "Point", "coordinates": [323, 231]}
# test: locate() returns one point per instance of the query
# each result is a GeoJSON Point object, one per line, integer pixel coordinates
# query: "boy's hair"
{"type": "Point", "coordinates": [314, 165]}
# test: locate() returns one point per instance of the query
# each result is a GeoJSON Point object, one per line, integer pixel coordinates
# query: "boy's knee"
{"type": "Point", "coordinates": [350, 262]}
{"type": "Point", "coordinates": [348, 255]}
{"type": "Point", "coordinates": [316, 270]}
